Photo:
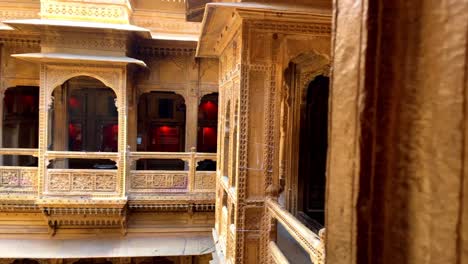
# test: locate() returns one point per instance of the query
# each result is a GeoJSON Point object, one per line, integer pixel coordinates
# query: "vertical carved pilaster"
{"type": "Point", "coordinates": [2, 95]}
{"type": "Point", "coordinates": [192, 169]}
{"type": "Point", "coordinates": [122, 102]}
{"type": "Point", "coordinates": [44, 105]}
{"type": "Point", "coordinates": [191, 121]}
{"type": "Point", "coordinates": [60, 138]}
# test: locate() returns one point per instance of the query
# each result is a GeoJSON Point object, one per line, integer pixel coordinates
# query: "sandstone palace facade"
{"type": "Point", "coordinates": [268, 131]}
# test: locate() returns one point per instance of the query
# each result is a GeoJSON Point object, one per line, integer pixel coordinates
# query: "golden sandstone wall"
{"type": "Point", "coordinates": [397, 179]}
{"type": "Point", "coordinates": [254, 49]}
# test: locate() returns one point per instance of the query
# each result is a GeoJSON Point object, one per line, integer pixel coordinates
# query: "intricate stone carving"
{"type": "Point", "coordinates": [56, 75]}
{"type": "Point", "coordinates": [166, 25]}
{"type": "Point", "coordinates": [16, 41]}
{"type": "Point", "coordinates": [17, 179]}
{"type": "Point", "coordinates": [110, 13]}
{"type": "Point", "coordinates": [10, 178]}
{"type": "Point", "coordinates": [158, 181]}
{"type": "Point", "coordinates": [59, 182]}
{"type": "Point", "coordinates": [105, 182]}
{"type": "Point", "coordinates": [150, 51]}
{"type": "Point", "coordinates": [205, 180]}
{"type": "Point", "coordinates": [293, 28]}
{"type": "Point", "coordinates": [84, 42]}
{"type": "Point", "coordinates": [10, 11]}
{"type": "Point", "coordinates": [81, 181]}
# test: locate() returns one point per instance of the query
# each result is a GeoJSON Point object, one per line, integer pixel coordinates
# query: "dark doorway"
{"type": "Point", "coordinates": [208, 123]}
{"type": "Point", "coordinates": [20, 123]}
{"type": "Point", "coordinates": [161, 122]}
{"type": "Point", "coordinates": [313, 154]}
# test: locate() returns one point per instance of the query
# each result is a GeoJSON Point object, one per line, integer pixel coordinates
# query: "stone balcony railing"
{"type": "Point", "coordinates": [81, 182]}
{"type": "Point", "coordinates": [121, 183]}
{"type": "Point", "coordinates": [169, 181]}
{"type": "Point", "coordinates": [312, 243]}
{"type": "Point", "coordinates": [18, 181]}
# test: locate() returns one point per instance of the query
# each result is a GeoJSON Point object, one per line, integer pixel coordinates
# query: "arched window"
{"type": "Point", "coordinates": [313, 153]}
{"type": "Point", "coordinates": [84, 117]}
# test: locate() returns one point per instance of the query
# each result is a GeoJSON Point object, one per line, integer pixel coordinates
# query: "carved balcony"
{"type": "Point", "coordinates": [172, 188]}
{"type": "Point", "coordinates": [82, 183]}
{"type": "Point", "coordinates": [103, 197]}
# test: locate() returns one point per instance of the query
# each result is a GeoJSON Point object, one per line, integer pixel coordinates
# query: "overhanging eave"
{"type": "Point", "coordinates": [70, 58]}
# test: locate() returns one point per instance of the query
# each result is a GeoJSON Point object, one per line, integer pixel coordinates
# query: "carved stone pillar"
{"type": "Point", "coordinates": [60, 124]}
{"type": "Point", "coordinates": [191, 121]}
{"type": "Point", "coordinates": [2, 94]}
{"type": "Point", "coordinates": [122, 103]}
{"type": "Point", "coordinates": [45, 103]}
{"type": "Point", "coordinates": [132, 118]}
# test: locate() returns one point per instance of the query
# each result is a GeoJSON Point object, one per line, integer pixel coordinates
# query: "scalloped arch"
{"type": "Point", "coordinates": [65, 77]}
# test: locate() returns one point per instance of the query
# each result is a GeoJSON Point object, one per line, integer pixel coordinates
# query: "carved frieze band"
{"type": "Point", "coordinates": [88, 41]}
{"type": "Point", "coordinates": [17, 179]}
{"type": "Point", "coordinates": [167, 25]}
{"type": "Point", "coordinates": [82, 181]}
{"type": "Point", "coordinates": [78, 11]}
{"type": "Point", "coordinates": [19, 41]}
{"type": "Point", "coordinates": [290, 28]}
{"type": "Point", "coordinates": [148, 51]}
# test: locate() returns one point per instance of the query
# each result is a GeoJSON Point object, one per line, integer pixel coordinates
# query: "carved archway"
{"type": "Point", "coordinates": [83, 117]}
{"type": "Point", "coordinates": [53, 75]}
{"type": "Point", "coordinates": [301, 71]}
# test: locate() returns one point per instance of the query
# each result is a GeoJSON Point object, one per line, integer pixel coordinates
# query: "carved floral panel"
{"type": "Point", "coordinates": [205, 181]}
{"type": "Point", "coordinates": [59, 182]}
{"type": "Point", "coordinates": [158, 181]}
{"type": "Point", "coordinates": [82, 181]}
{"type": "Point", "coordinates": [10, 178]}
{"type": "Point", "coordinates": [17, 179]}
{"type": "Point", "coordinates": [106, 182]}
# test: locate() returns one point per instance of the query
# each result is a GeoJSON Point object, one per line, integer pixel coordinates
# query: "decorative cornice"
{"type": "Point", "coordinates": [18, 206]}
{"type": "Point", "coordinates": [148, 51]}
{"type": "Point", "coordinates": [162, 25]}
{"type": "Point", "coordinates": [315, 29]}
{"type": "Point", "coordinates": [19, 40]}
{"type": "Point", "coordinates": [85, 41]}
{"type": "Point", "coordinates": [86, 11]}
{"type": "Point", "coordinates": [174, 207]}
{"type": "Point", "coordinates": [85, 216]}
{"type": "Point", "coordinates": [16, 13]}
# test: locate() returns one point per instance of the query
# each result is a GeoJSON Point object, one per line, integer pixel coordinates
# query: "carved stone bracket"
{"type": "Point", "coordinates": [98, 217]}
